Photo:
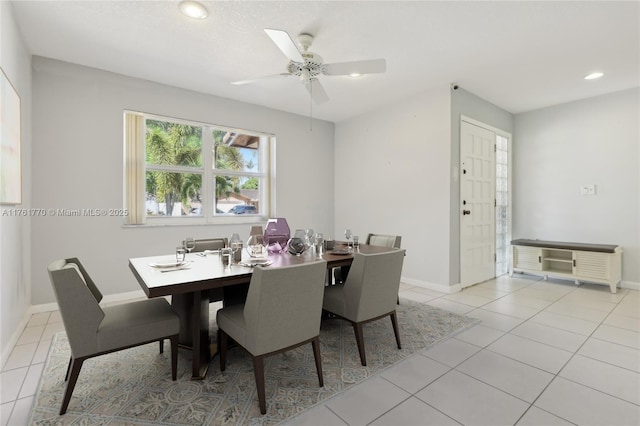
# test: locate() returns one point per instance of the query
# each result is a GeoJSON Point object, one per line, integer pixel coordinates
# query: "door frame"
{"type": "Point", "coordinates": [509, 137]}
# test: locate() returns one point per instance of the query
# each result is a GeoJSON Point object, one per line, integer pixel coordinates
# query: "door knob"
{"type": "Point", "coordinates": [465, 212]}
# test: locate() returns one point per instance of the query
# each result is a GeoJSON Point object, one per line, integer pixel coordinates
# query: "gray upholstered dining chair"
{"type": "Point", "coordinates": [368, 294]}
{"type": "Point", "coordinates": [282, 312]}
{"type": "Point", "coordinates": [94, 330]}
{"type": "Point", "coordinates": [209, 244]}
{"type": "Point", "coordinates": [385, 241]}
{"type": "Point", "coordinates": [382, 240]}
{"type": "Point", "coordinates": [203, 245]}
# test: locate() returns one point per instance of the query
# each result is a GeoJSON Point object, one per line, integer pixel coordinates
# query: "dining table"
{"type": "Point", "coordinates": [203, 278]}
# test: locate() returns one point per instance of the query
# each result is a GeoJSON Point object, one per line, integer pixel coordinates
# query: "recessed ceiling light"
{"type": "Point", "coordinates": [355, 74]}
{"type": "Point", "coordinates": [593, 76]}
{"type": "Point", "coordinates": [193, 9]}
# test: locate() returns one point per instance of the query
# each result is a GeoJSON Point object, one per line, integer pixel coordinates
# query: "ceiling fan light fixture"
{"type": "Point", "coordinates": [309, 67]}
{"type": "Point", "coordinates": [193, 9]}
{"type": "Point", "coordinates": [593, 75]}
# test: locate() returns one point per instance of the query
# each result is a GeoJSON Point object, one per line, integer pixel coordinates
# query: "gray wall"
{"type": "Point", "coordinates": [15, 291]}
{"type": "Point", "coordinates": [467, 104]}
{"type": "Point", "coordinates": [78, 163]}
{"type": "Point", "coordinates": [393, 177]}
{"type": "Point", "coordinates": [559, 149]}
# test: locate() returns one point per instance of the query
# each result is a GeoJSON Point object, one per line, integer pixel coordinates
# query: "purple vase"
{"type": "Point", "coordinates": [276, 235]}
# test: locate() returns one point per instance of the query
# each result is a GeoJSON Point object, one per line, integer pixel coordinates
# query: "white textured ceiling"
{"type": "Point", "coordinates": [519, 55]}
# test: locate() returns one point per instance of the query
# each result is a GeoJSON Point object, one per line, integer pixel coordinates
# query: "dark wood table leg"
{"type": "Point", "coordinates": [200, 332]}
{"type": "Point", "coordinates": [193, 310]}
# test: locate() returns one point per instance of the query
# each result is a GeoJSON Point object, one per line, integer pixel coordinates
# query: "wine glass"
{"type": "Point", "coordinates": [347, 235]}
{"type": "Point", "coordinates": [309, 237]}
{"type": "Point", "coordinates": [319, 241]}
{"type": "Point", "coordinates": [189, 244]}
{"type": "Point", "coordinates": [235, 243]}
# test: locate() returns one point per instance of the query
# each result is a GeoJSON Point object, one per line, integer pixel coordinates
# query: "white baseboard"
{"type": "Point", "coordinates": [442, 288]}
{"type": "Point", "coordinates": [632, 285]}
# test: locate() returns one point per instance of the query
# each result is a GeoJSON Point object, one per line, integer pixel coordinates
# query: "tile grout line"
{"type": "Point", "coordinates": [554, 375]}
{"type": "Point", "coordinates": [414, 394]}
{"type": "Point", "coordinates": [532, 404]}
{"type": "Point", "coordinates": [566, 363]}
{"type": "Point", "coordinates": [455, 368]}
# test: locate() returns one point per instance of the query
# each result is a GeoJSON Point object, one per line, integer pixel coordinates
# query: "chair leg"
{"type": "Point", "coordinates": [315, 343]}
{"type": "Point", "coordinates": [66, 376]}
{"type": "Point", "coordinates": [394, 323]}
{"type": "Point", "coordinates": [76, 365]}
{"type": "Point", "coordinates": [174, 356]}
{"type": "Point", "coordinates": [161, 343]}
{"type": "Point", "coordinates": [357, 329]}
{"type": "Point", "coordinates": [222, 336]}
{"type": "Point", "coordinates": [258, 372]}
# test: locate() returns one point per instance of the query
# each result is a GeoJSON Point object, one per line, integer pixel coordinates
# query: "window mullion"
{"type": "Point", "coordinates": [173, 169]}
{"type": "Point", "coordinates": [229, 172]}
{"type": "Point", "coordinates": [207, 178]}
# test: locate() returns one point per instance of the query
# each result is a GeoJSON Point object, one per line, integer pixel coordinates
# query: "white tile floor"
{"type": "Point", "coordinates": [546, 353]}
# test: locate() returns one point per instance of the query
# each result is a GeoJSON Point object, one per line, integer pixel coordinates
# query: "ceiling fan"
{"type": "Point", "coordinates": [307, 66]}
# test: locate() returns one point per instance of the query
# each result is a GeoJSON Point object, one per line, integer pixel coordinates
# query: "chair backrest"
{"type": "Point", "coordinates": [78, 299]}
{"type": "Point", "coordinates": [284, 306]}
{"type": "Point", "coordinates": [371, 288]}
{"type": "Point", "coordinates": [210, 244]}
{"type": "Point", "coordinates": [384, 240]}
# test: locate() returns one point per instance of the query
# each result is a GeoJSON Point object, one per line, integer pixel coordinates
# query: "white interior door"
{"type": "Point", "coordinates": [477, 203]}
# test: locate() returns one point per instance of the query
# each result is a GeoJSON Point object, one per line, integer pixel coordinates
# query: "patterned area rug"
{"type": "Point", "coordinates": [134, 387]}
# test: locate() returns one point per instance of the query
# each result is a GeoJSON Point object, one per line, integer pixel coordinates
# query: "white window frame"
{"type": "Point", "coordinates": [266, 177]}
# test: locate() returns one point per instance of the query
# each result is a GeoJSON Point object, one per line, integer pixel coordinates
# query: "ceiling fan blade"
{"type": "Point", "coordinates": [266, 77]}
{"type": "Point", "coordinates": [285, 44]}
{"type": "Point", "coordinates": [369, 66]}
{"type": "Point", "coordinates": [316, 91]}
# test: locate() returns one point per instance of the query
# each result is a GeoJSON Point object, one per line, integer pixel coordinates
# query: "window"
{"type": "Point", "coordinates": [179, 172]}
{"type": "Point", "coordinates": [502, 205]}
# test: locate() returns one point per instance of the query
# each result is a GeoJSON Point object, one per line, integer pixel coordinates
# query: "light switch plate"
{"type": "Point", "coordinates": [588, 190]}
